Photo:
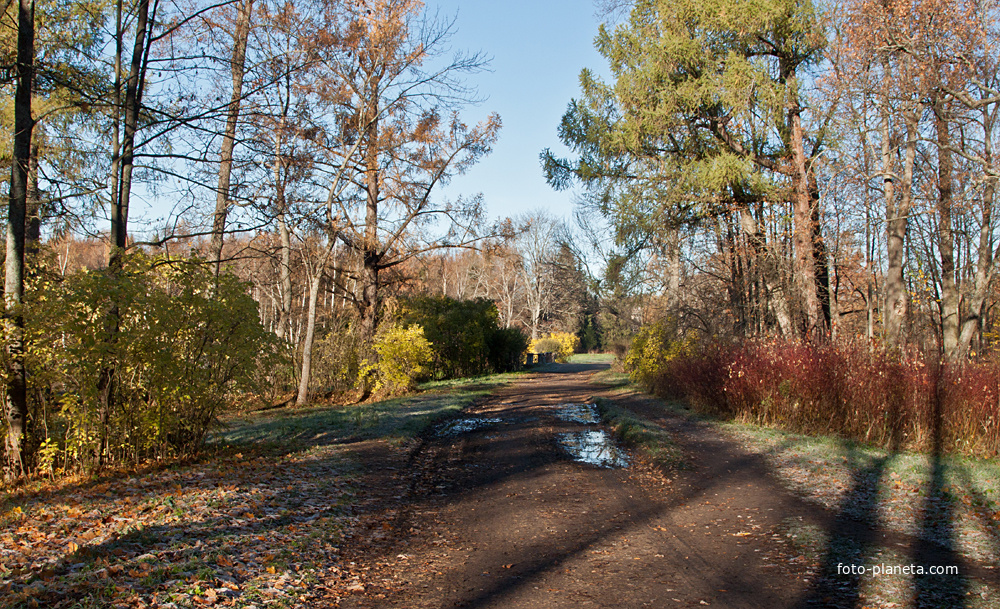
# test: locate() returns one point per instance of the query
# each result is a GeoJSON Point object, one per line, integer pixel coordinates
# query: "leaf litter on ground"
{"type": "Point", "coordinates": [259, 521]}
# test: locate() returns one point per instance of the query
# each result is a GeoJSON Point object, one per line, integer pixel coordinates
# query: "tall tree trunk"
{"type": "Point", "coordinates": [16, 402]}
{"type": "Point", "coordinates": [371, 256]}
{"type": "Point", "coordinates": [284, 235]}
{"type": "Point", "coordinates": [896, 220]}
{"type": "Point", "coordinates": [307, 346]}
{"type": "Point", "coordinates": [536, 310]}
{"type": "Point", "coordinates": [834, 302]}
{"type": "Point", "coordinates": [237, 69]}
{"type": "Point", "coordinates": [122, 181]}
{"type": "Point", "coordinates": [133, 103]}
{"type": "Point", "coordinates": [804, 214]}
{"type": "Point", "coordinates": [33, 209]}
{"type": "Point", "coordinates": [949, 305]}
{"type": "Point", "coordinates": [819, 253]}
{"type": "Point", "coordinates": [972, 320]}
{"type": "Point", "coordinates": [285, 276]}
{"type": "Point", "coordinates": [116, 160]}
{"type": "Point", "coordinates": [762, 262]}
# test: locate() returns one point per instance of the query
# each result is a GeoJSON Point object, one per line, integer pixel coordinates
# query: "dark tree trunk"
{"type": "Point", "coordinates": [16, 406]}
{"type": "Point", "coordinates": [811, 279]}
{"type": "Point", "coordinates": [371, 254]}
{"type": "Point", "coordinates": [237, 70]}
{"type": "Point", "coordinates": [122, 181]}
{"type": "Point", "coordinates": [821, 264]}
{"type": "Point", "coordinates": [33, 208]}
{"type": "Point", "coordinates": [133, 103]}
{"type": "Point", "coordinates": [949, 305]}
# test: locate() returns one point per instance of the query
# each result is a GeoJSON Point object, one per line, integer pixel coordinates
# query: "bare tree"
{"type": "Point", "coordinates": [537, 246]}
{"type": "Point", "coordinates": [400, 100]}
{"type": "Point", "coordinates": [241, 36]}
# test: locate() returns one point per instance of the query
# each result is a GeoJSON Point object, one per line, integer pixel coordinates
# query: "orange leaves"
{"type": "Point", "coordinates": [199, 534]}
{"type": "Point", "coordinates": [427, 126]}
{"type": "Point", "coordinates": [929, 42]}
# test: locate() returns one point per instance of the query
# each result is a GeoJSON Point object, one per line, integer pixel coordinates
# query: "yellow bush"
{"type": "Point", "coordinates": [568, 344]}
{"type": "Point", "coordinates": [563, 344]}
{"type": "Point", "coordinates": [652, 348]}
{"type": "Point", "coordinates": [404, 355]}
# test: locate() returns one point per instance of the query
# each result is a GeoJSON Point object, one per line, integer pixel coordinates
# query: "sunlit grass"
{"type": "Point", "coordinates": [611, 378]}
{"type": "Point", "coordinates": [398, 418]}
{"type": "Point", "coordinates": [651, 440]}
{"type": "Point", "coordinates": [473, 382]}
{"type": "Point", "coordinates": [592, 358]}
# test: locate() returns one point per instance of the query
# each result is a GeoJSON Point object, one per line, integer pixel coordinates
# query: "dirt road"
{"type": "Point", "coordinates": [496, 512]}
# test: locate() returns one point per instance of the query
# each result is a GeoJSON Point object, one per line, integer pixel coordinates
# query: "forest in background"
{"type": "Point", "coordinates": [795, 195]}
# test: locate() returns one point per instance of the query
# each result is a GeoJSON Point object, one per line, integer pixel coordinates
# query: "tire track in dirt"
{"type": "Point", "coordinates": [502, 517]}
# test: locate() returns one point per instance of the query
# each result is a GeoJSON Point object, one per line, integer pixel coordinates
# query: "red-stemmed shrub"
{"type": "Point", "coordinates": [857, 390]}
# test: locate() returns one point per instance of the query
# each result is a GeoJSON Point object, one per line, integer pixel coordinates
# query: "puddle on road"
{"type": "Point", "coordinates": [593, 447]}
{"type": "Point", "coordinates": [578, 413]}
{"type": "Point", "coordinates": [460, 426]}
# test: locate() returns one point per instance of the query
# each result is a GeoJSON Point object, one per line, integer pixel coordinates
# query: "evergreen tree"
{"type": "Point", "coordinates": [705, 116]}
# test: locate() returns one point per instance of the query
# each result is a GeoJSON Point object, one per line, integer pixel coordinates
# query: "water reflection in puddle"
{"type": "Point", "coordinates": [593, 447]}
{"type": "Point", "coordinates": [578, 413]}
{"type": "Point", "coordinates": [460, 426]}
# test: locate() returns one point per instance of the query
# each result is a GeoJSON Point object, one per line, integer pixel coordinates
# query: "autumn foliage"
{"type": "Point", "coordinates": [562, 344]}
{"type": "Point", "coordinates": [858, 391]}
{"type": "Point", "coordinates": [187, 344]}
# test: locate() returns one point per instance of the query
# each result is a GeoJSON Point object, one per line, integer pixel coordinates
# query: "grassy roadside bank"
{"type": "Point", "coordinates": [951, 500]}
{"type": "Point", "coordinates": [258, 521]}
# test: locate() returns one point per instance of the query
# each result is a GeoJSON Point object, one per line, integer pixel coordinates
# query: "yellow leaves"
{"type": "Point", "coordinates": [565, 343]}
{"type": "Point", "coordinates": [403, 356]}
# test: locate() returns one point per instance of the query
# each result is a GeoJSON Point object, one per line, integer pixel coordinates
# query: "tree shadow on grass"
{"type": "Point", "coordinates": [989, 520]}
{"type": "Point", "coordinates": [852, 536]}
{"type": "Point", "coordinates": [854, 545]}
{"type": "Point", "coordinates": [935, 547]}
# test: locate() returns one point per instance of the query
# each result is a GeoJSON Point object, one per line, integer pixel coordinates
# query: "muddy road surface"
{"type": "Point", "coordinates": [526, 502]}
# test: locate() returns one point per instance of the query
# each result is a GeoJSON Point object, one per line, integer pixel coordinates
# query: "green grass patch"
{"type": "Point", "coordinates": [610, 378]}
{"type": "Point", "coordinates": [653, 441]}
{"type": "Point", "coordinates": [592, 358]}
{"type": "Point", "coordinates": [473, 383]}
{"type": "Point", "coordinates": [816, 453]}
{"type": "Point", "coordinates": [394, 419]}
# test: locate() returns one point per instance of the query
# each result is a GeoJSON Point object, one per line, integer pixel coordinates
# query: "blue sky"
{"type": "Point", "coordinates": [538, 49]}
